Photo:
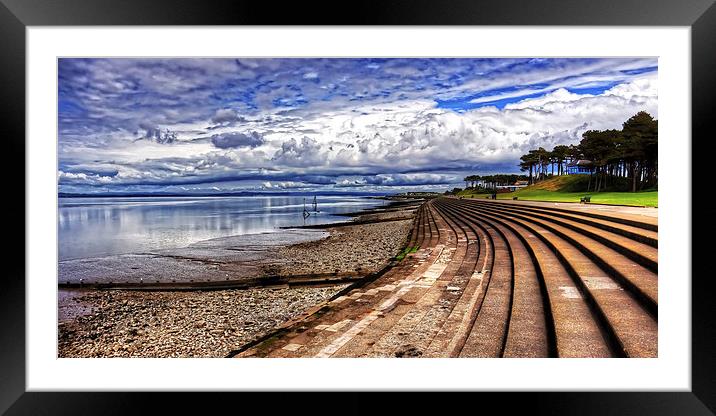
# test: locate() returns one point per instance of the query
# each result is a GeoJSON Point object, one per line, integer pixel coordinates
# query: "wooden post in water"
{"type": "Point", "coordinates": [306, 214]}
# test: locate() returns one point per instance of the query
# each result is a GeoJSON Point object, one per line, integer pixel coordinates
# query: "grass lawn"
{"type": "Point", "coordinates": [646, 198]}
{"type": "Point", "coordinates": [554, 190]}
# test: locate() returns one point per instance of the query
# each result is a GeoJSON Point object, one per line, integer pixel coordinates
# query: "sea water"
{"type": "Point", "coordinates": [95, 227]}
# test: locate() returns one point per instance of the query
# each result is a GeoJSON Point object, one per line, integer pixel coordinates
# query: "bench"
{"type": "Point", "coordinates": [585, 199]}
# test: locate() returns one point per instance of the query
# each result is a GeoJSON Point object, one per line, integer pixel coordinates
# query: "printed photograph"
{"type": "Point", "coordinates": [357, 207]}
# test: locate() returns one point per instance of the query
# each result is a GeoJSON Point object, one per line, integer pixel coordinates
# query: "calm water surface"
{"type": "Point", "coordinates": [92, 227]}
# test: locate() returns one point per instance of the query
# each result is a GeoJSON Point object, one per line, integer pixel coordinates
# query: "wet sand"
{"type": "Point", "coordinates": [130, 323]}
{"type": "Point", "coordinates": [219, 259]}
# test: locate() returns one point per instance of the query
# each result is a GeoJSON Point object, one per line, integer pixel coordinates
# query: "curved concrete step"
{"type": "Point", "coordinates": [639, 221]}
{"type": "Point", "coordinates": [628, 322]}
{"type": "Point", "coordinates": [639, 234]}
{"type": "Point", "coordinates": [577, 332]}
{"type": "Point", "coordinates": [643, 283]}
{"type": "Point", "coordinates": [644, 254]}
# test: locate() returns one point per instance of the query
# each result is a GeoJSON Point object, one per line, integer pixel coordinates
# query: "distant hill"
{"type": "Point", "coordinates": [565, 183]}
{"type": "Point", "coordinates": [580, 183]}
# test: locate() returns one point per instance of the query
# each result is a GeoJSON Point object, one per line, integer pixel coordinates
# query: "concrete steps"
{"type": "Point", "coordinates": [639, 234]}
{"type": "Point", "coordinates": [627, 320]}
{"type": "Point", "coordinates": [576, 331]}
{"type": "Point", "coordinates": [642, 282]}
{"type": "Point", "coordinates": [639, 252]}
{"type": "Point", "coordinates": [497, 279]}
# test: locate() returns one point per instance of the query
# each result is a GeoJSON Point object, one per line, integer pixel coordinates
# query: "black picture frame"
{"type": "Point", "coordinates": [16, 15]}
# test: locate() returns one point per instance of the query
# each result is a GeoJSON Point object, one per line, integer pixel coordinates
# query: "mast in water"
{"type": "Point", "coordinates": [306, 214]}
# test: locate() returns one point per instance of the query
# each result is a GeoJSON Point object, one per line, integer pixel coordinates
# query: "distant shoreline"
{"type": "Point", "coordinates": [221, 194]}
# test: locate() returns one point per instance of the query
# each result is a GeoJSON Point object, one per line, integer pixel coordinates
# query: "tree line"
{"type": "Point", "coordinates": [630, 153]}
{"type": "Point", "coordinates": [492, 181]}
{"type": "Point", "coordinates": [613, 157]}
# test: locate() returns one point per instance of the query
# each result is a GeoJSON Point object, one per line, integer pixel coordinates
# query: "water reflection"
{"type": "Point", "coordinates": [91, 227]}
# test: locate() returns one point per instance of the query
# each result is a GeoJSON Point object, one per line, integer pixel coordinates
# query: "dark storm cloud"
{"type": "Point", "coordinates": [236, 139]}
{"type": "Point", "coordinates": [226, 116]}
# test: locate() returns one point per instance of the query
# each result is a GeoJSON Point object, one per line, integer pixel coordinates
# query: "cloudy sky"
{"type": "Point", "coordinates": [351, 125]}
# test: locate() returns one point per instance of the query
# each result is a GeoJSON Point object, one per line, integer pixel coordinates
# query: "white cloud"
{"type": "Point", "coordinates": [416, 134]}
{"type": "Point", "coordinates": [282, 185]}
